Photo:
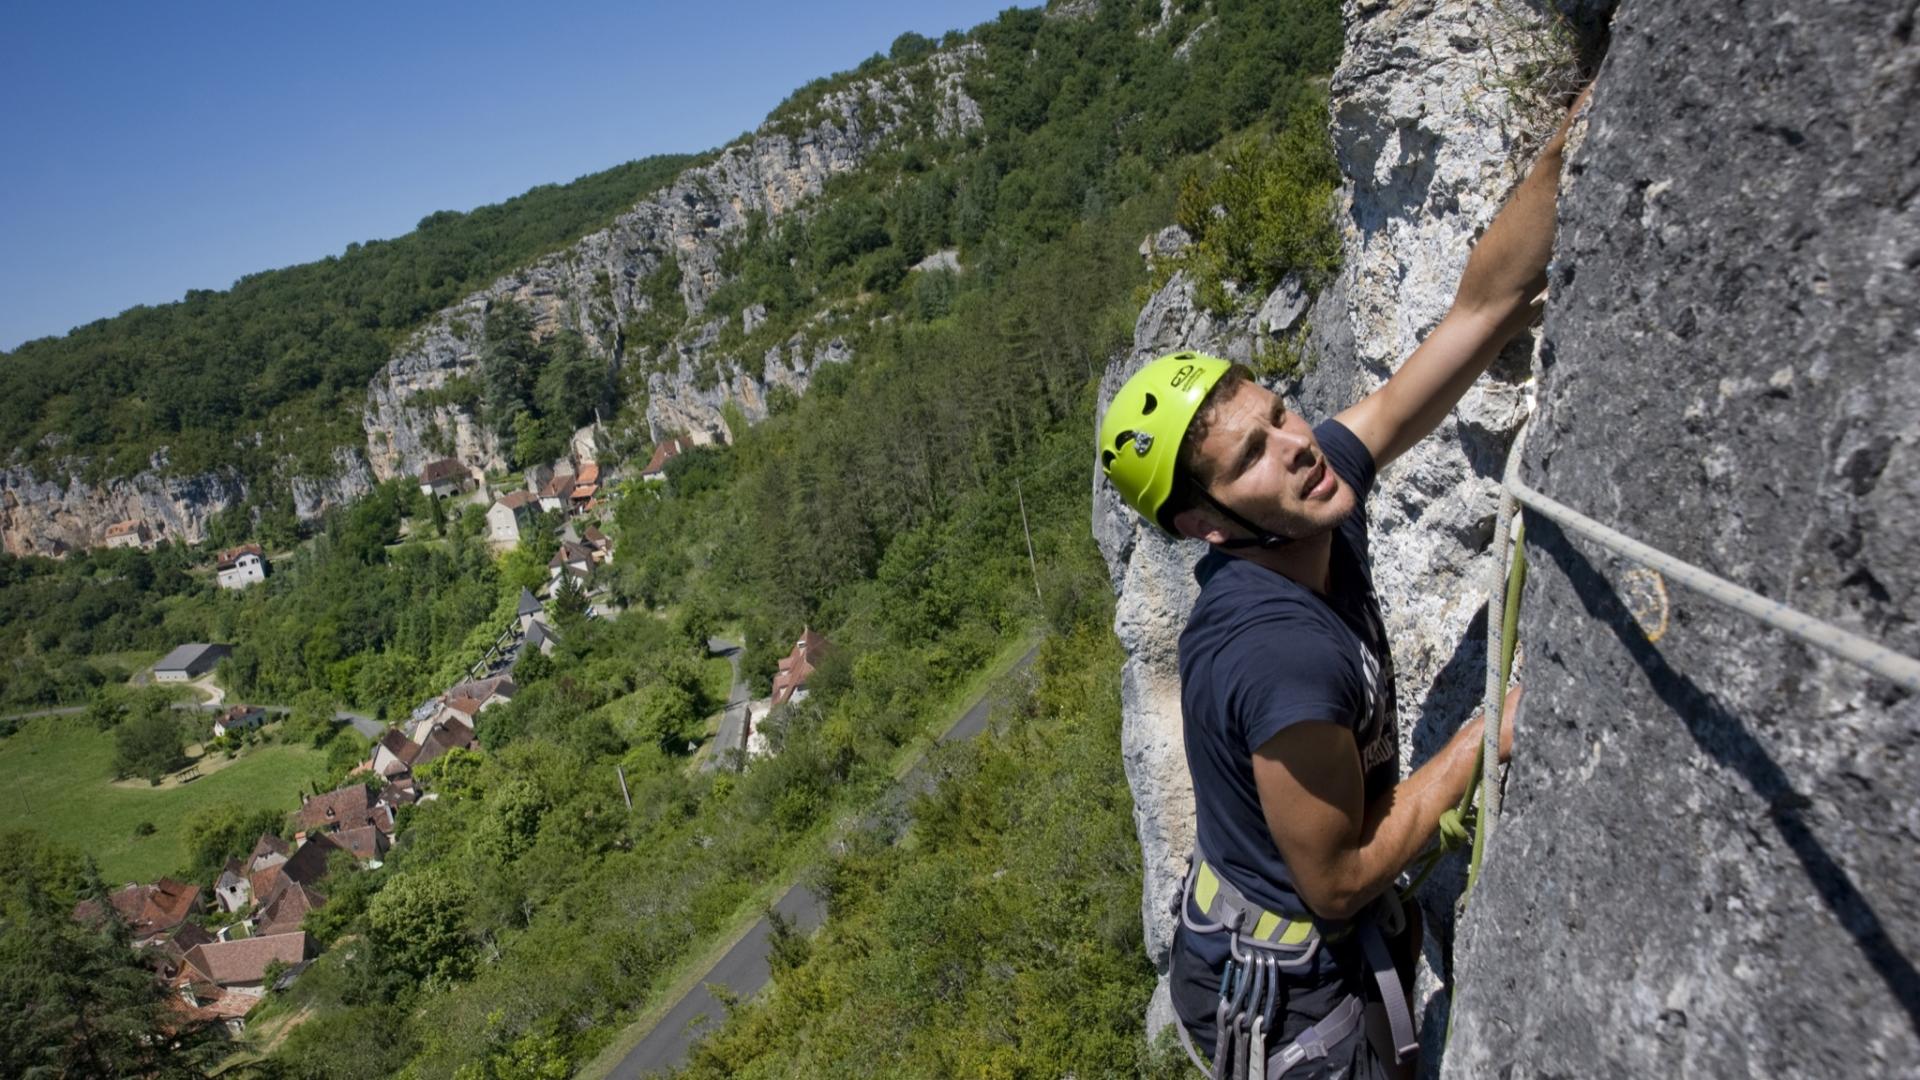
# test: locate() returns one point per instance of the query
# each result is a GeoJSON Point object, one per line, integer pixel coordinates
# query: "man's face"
{"type": "Point", "coordinates": [1263, 462]}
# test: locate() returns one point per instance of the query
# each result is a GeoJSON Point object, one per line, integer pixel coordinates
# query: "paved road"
{"type": "Point", "coordinates": [362, 723]}
{"type": "Point", "coordinates": [733, 723]}
{"type": "Point", "coordinates": [744, 970]}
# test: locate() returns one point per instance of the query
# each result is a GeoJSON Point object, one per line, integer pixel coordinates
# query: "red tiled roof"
{"type": "Point", "coordinates": [146, 909]}
{"type": "Point", "coordinates": [797, 665]}
{"type": "Point", "coordinates": [122, 528]}
{"type": "Point", "coordinates": [452, 735]}
{"type": "Point", "coordinates": [589, 474]}
{"type": "Point", "coordinates": [664, 453]}
{"type": "Point", "coordinates": [230, 963]}
{"type": "Point", "coordinates": [482, 689]}
{"type": "Point", "coordinates": [366, 842]}
{"type": "Point", "coordinates": [283, 912]}
{"type": "Point", "coordinates": [231, 556]}
{"type": "Point", "coordinates": [342, 808]}
{"type": "Point", "coordinates": [443, 469]}
{"type": "Point", "coordinates": [399, 745]}
{"type": "Point", "coordinates": [514, 500]}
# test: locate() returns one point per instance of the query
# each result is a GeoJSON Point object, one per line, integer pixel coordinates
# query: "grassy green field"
{"type": "Point", "coordinates": [56, 779]}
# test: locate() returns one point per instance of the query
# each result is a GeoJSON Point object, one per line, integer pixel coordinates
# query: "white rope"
{"type": "Point", "coordinates": [1850, 647]}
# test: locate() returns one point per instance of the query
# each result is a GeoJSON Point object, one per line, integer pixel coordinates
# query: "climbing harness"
{"type": "Point", "coordinates": [1266, 945]}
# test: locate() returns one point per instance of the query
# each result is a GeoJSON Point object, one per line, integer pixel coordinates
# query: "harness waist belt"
{"type": "Point", "coordinates": [1220, 901]}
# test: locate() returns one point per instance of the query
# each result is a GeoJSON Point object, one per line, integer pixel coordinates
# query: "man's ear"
{"type": "Point", "coordinates": [1199, 523]}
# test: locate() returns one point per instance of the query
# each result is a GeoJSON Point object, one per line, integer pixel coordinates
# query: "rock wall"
{"type": "Point", "coordinates": [1707, 864]}
{"type": "Point", "coordinates": [45, 517]}
{"type": "Point", "coordinates": [1431, 124]}
{"type": "Point", "coordinates": [598, 285]}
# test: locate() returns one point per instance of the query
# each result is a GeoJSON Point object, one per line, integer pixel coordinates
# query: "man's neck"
{"type": "Point", "coordinates": [1308, 561]}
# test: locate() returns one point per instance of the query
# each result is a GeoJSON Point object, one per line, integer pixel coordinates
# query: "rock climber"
{"type": "Point", "coordinates": [1292, 950]}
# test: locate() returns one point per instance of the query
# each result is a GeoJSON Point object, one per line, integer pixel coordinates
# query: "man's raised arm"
{"type": "Point", "coordinates": [1505, 275]}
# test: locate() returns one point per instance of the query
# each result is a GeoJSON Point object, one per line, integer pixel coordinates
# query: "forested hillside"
{"type": "Point", "coordinates": [284, 354]}
{"type": "Point", "coordinates": [527, 913]}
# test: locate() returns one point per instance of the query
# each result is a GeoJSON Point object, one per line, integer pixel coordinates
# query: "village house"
{"type": "Point", "coordinates": [283, 912]}
{"type": "Point", "coordinates": [222, 981]}
{"type": "Point", "coordinates": [508, 515]}
{"type": "Point", "coordinates": [789, 683]}
{"type": "Point", "coordinates": [540, 638]}
{"type": "Point", "coordinates": [444, 477]}
{"type": "Point", "coordinates": [240, 567]}
{"type": "Point", "coordinates": [586, 488]}
{"type": "Point", "coordinates": [393, 755]}
{"type": "Point", "coordinates": [233, 889]}
{"type": "Point", "coordinates": [598, 542]}
{"type": "Point", "coordinates": [557, 492]}
{"type": "Point", "coordinates": [528, 610]}
{"type": "Point", "coordinates": [454, 734]}
{"type": "Point", "coordinates": [571, 558]}
{"type": "Point", "coordinates": [656, 469]}
{"type": "Point", "coordinates": [151, 912]}
{"type": "Point", "coordinates": [129, 534]}
{"type": "Point", "coordinates": [189, 661]}
{"type": "Point", "coordinates": [350, 807]}
{"type": "Point", "coordinates": [238, 718]}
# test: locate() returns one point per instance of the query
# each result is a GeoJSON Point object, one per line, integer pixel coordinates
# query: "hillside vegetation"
{"type": "Point", "coordinates": [284, 354]}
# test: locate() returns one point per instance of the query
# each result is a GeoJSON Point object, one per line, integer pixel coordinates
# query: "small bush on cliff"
{"type": "Point", "coordinates": [1262, 212]}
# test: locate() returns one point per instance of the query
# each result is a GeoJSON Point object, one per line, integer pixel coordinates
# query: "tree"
{"type": "Point", "coordinates": [668, 715]}
{"type": "Point", "coordinates": [149, 743]}
{"type": "Point", "coordinates": [77, 1000]}
{"type": "Point", "coordinates": [311, 723]}
{"type": "Point", "coordinates": [227, 831]}
{"type": "Point", "coordinates": [417, 923]}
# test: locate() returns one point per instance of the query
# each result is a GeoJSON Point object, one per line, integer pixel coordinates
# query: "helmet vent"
{"type": "Point", "coordinates": [1106, 460]}
{"type": "Point", "coordinates": [1122, 439]}
{"type": "Point", "coordinates": [1151, 404]}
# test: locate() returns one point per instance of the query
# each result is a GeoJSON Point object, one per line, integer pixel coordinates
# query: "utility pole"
{"type": "Point", "coordinates": [1032, 565]}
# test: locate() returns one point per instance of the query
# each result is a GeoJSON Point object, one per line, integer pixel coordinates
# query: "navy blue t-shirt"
{"type": "Point", "coordinates": [1262, 652]}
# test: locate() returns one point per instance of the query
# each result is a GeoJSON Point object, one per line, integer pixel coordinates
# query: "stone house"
{"type": "Point", "coordinates": [444, 477]}
{"type": "Point", "coordinates": [238, 718]}
{"type": "Point", "coordinates": [129, 534]}
{"type": "Point", "coordinates": [240, 567]}
{"type": "Point", "coordinates": [509, 515]}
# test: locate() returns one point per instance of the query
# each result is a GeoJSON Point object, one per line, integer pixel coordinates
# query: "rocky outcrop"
{"type": "Point", "coordinates": [44, 517]}
{"type": "Point", "coordinates": [1431, 131]}
{"type": "Point", "coordinates": [1706, 867]}
{"type": "Point", "coordinates": [599, 285]}
{"type": "Point", "coordinates": [679, 404]}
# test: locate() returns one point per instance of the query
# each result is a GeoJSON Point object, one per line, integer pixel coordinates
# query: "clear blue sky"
{"type": "Point", "coordinates": [147, 149]}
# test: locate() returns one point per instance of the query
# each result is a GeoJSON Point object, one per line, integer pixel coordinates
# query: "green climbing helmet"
{"type": "Point", "coordinates": [1141, 433]}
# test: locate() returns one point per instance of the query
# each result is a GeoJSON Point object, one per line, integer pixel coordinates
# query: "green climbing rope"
{"type": "Point", "coordinates": [1457, 824]}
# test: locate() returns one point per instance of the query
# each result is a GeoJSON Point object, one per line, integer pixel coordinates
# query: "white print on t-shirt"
{"type": "Point", "coordinates": [1376, 753]}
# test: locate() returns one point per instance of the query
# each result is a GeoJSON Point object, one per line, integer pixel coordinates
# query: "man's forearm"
{"type": "Point", "coordinates": [1399, 823]}
{"type": "Point", "coordinates": [1508, 267]}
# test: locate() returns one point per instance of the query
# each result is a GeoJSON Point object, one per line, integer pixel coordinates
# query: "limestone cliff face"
{"type": "Point", "coordinates": [1431, 139]}
{"type": "Point", "coordinates": [46, 517]}
{"type": "Point", "coordinates": [597, 285]}
{"type": "Point", "coordinates": [1707, 864]}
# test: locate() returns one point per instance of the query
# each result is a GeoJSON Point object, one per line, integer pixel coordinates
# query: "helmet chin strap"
{"type": "Point", "coordinates": [1264, 539]}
